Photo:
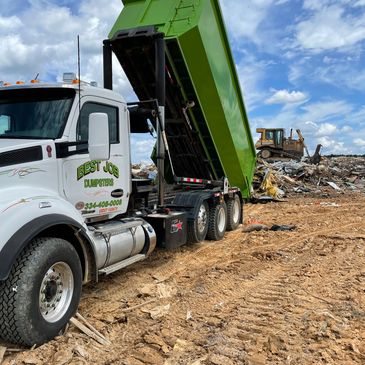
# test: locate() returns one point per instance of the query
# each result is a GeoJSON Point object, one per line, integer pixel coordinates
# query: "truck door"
{"type": "Point", "coordinates": [99, 187]}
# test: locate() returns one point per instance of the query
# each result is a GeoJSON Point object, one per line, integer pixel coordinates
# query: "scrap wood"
{"type": "Point", "coordinates": [90, 331]}
{"type": "Point", "coordinates": [13, 350]}
{"type": "Point", "coordinates": [319, 298]}
{"type": "Point", "coordinates": [81, 318]}
{"type": "Point", "coordinates": [158, 312]}
{"type": "Point", "coordinates": [130, 309]}
{"type": "Point", "coordinates": [2, 353]}
{"type": "Point", "coordinates": [289, 180]}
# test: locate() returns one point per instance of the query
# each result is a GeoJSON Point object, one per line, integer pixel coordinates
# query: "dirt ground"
{"type": "Point", "coordinates": [254, 298]}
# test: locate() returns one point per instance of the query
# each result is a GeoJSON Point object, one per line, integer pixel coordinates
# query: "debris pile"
{"type": "Point", "coordinates": [274, 181]}
{"type": "Point", "coordinates": [143, 171]}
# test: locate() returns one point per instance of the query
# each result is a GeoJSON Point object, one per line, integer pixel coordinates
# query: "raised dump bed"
{"type": "Point", "coordinates": [212, 139]}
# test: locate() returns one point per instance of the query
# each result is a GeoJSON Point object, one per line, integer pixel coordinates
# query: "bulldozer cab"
{"type": "Point", "coordinates": [271, 137]}
{"type": "Point", "coordinates": [273, 143]}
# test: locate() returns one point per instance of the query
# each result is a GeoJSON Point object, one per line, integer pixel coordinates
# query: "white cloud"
{"type": "Point", "coordinates": [341, 73]}
{"type": "Point", "coordinates": [8, 24]}
{"type": "Point", "coordinates": [359, 142]}
{"type": "Point", "coordinates": [326, 129]}
{"type": "Point", "coordinates": [328, 60]}
{"type": "Point", "coordinates": [313, 4]}
{"type": "Point", "coordinates": [16, 51]}
{"type": "Point", "coordinates": [330, 27]}
{"type": "Point", "coordinates": [251, 72]}
{"type": "Point", "coordinates": [142, 146]}
{"type": "Point", "coordinates": [324, 110]}
{"type": "Point", "coordinates": [359, 3]}
{"type": "Point", "coordinates": [244, 19]}
{"type": "Point", "coordinates": [346, 129]}
{"type": "Point", "coordinates": [287, 97]}
{"type": "Point", "coordinates": [332, 146]}
{"type": "Point", "coordinates": [318, 130]}
{"type": "Point", "coordinates": [43, 39]}
{"type": "Point", "coordinates": [359, 116]}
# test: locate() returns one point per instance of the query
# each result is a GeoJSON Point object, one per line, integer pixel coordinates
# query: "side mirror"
{"type": "Point", "coordinates": [99, 144]}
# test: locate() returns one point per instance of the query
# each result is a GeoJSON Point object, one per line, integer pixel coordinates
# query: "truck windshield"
{"type": "Point", "coordinates": [34, 113]}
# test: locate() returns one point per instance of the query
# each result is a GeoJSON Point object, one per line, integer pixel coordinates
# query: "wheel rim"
{"type": "Point", "coordinates": [221, 219]}
{"type": "Point", "coordinates": [56, 292]}
{"type": "Point", "coordinates": [202, 218]}
{"type": "Point", "coordinates": [265, 154]}
{"type": "Point", "coordinates": [236, 211]}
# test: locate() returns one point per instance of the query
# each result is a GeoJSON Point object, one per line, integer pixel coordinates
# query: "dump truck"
{"type": "Point", "coordinates": [273, 144]}
{"type": "Point", "coordinates": [71, 210]}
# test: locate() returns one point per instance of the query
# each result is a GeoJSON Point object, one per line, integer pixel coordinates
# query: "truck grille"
{"type": "Point", "coordinates": [22, 155]}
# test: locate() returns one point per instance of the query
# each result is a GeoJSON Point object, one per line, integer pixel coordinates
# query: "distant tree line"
{"type": "Point", "coordinates": [332, 156]}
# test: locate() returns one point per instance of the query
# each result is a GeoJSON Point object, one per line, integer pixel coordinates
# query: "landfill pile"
{"type": "Point", "coordinates": [277, 180]}
{"type": "Point", "coordinates": [144, 171]}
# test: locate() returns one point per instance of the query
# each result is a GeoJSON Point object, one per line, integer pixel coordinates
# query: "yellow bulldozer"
{"type": "Point", "coordinates": [274, 144]}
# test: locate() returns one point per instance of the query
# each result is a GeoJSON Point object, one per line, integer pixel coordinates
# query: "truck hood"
{"type": "Point", "coordinates": [25, 168]}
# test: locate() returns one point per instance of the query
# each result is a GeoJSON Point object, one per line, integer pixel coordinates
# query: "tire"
{"type": "Point", "coordinates": [197, 230]}
{"type": "Point", "coordinates": [217, 222]}
{"type": "Point", "coordinates": [265, 154]}
{"type": "Point", "coordinates": [234, 213]}
{"type": "Point", "coordinates": [41, 293]}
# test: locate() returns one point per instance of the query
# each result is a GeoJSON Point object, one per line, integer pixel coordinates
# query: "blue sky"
{"type": "Point", "coordinates": [301, 63]}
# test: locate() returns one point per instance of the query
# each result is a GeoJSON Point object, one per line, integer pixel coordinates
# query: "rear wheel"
{"type": "Point", "coordinates": [41, 293]}
{"type": "Point", "coordinates": [217, 222]}
{"type": "Point", "coordinates": [234, 213]}
{"type": "Point", "coordinates": [197, 230]}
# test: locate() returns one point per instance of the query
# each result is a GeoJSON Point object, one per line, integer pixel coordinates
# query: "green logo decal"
{"type": "Point", "coordinates": [97, 183]}
{"type": "Point", "coordinates": [94, 166]}
{"type": "Point", "coordinates": [88, 168]}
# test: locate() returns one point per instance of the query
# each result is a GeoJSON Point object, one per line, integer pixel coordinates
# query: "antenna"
{"type": "Point", "coordinates": [79, 72]}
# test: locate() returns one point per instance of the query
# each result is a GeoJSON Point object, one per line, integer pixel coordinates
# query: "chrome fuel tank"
{"type": "Point", "coordinates": [117, 240]}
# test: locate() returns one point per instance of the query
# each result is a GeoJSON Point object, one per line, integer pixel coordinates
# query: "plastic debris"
{"type": "Point", "coordinates": [333, 185]}
{"type": "Point", "coordinates": [276, 227]}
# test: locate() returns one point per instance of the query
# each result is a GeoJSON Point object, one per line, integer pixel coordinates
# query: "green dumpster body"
{"type": "Point", "coordinates": [200, 62]}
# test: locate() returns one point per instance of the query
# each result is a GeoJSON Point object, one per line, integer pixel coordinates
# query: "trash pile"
{"type": "Point", "coordinates": [143, 171]}
{"type": "Point", "coordinates": [274, 181]}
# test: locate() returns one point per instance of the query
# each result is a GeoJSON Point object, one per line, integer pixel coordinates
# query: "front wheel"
{"type": "Point", "coordinates": [41, 293]}
{"type": "Point", "coordinates": [217, 222]}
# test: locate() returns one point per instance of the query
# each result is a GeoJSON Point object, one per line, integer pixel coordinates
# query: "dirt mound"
{"type": "Point", "coordinates": [262, 297]}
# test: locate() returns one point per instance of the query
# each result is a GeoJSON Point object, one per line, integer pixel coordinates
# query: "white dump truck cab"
{"type": "Point", "coordinates": [44, 135]}
{"type": "Point", "coordinates": [65, 177]}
